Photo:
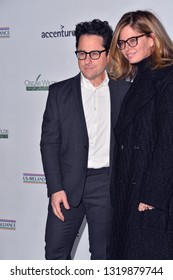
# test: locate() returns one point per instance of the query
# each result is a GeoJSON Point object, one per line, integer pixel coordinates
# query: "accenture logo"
{"type": "Point", "coordinates": [7, 224]}
{"type": "Point", "coordinates": [62, 33]}
{"type": "Point", "coordinates": [4, 32]}
{"type": "Point", "coordinates": [38, 84]}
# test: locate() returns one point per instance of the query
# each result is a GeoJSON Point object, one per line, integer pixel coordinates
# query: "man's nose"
{"type": "Point", "coordinates": [88, 58]}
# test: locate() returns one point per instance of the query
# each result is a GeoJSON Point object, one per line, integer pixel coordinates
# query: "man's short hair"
{"type": "Point", "coordinates": [95, 27]}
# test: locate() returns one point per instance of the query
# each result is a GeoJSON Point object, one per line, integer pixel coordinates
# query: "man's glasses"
{"type": "Point", "coordinates": [132, 41]}
{"type": "Point", "coordinates": [81, 55]}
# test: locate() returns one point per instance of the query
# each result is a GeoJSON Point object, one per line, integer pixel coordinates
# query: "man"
{"type": "Point", "coordinates": [76, 145]}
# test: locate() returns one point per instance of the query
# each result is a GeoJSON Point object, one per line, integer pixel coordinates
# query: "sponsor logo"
{"type": "Point", "coordinates": [3, 133]}
{"type": "Point", "coordinates": [62, 33]}
{"type": "Point", "coordinates": [4, 32]}
{"type": "Point", "coordinates": [7, 224]}
{"type": "Point", "coordinates": [38, 85]}
{"type": "Point", "coordinates": [34, 178]}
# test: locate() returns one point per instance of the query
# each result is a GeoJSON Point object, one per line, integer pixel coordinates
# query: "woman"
{"type": "Point", "coordinates": [142, 185]}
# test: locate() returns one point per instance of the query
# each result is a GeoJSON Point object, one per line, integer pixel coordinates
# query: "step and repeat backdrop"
{"type": "Point", "coordinates": [37, 47]}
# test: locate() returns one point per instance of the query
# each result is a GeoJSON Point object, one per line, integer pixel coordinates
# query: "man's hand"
{"type": "Point", "coordinates": [144, 207]}
{"type": "Point", "coordinates": [56, 200]}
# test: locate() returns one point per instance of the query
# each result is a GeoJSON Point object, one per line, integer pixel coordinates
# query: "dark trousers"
{"type": "Point", "coordinates": [96, 206]}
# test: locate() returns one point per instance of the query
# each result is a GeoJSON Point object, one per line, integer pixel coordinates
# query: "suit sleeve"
{"type": "Point", "coordinates": [50, 143]}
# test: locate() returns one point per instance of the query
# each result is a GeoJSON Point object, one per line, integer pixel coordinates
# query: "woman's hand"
{"type": "Point", "coordinates": [144, 207]}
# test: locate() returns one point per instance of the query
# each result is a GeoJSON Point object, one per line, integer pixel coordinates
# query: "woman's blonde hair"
{"type": "Point", "coordinates": [144, 22]}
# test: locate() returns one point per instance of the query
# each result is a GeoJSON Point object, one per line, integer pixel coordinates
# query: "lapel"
{"type": "Point", "coordinates": [115, 96]}
{"type": "Point", "coordinates": [118, 90]}
{"type": "Point", "coordinates": [77, 95]}
{"type": "Point", "coordinates": [139, 94]}
{"type": "Point", "coordinates": [112, 141]}
{"type": "Point", "coordinates": [112, 103]}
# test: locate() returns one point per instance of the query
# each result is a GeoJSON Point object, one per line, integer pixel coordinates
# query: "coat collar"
{"type": "Point", "coordinates": [140, 93]}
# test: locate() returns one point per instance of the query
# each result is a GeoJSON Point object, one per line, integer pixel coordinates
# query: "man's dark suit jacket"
{"type": "Point", "coordinates": [64, 139]}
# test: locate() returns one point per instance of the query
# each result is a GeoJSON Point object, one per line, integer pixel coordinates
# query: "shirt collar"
{"type": "Point", "coordinates": [87, 84]}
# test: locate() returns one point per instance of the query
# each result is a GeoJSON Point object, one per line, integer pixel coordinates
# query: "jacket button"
{"type": "Point", "coordinates": [119, 181]}
{"type": "Point", "coordinates": [136, 147]}
{"type": "Point", "coordinates": [133, 183]}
